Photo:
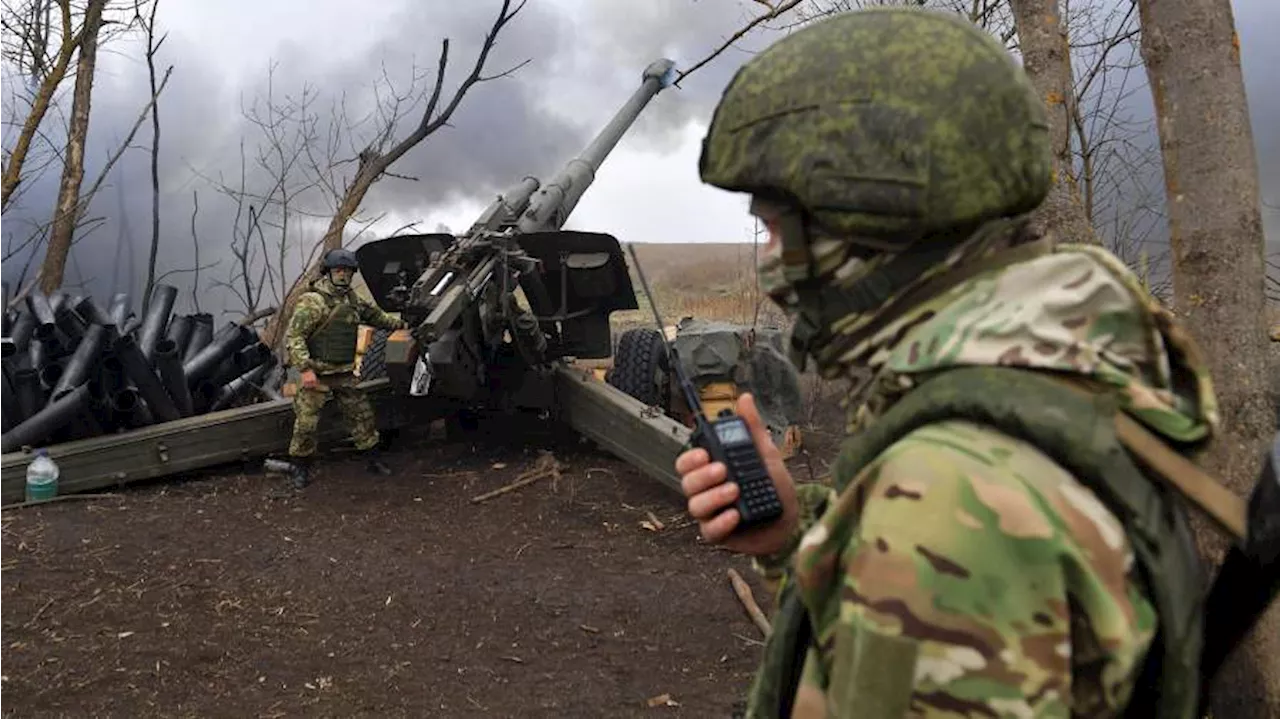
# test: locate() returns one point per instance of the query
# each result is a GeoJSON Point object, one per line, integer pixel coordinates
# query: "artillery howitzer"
{"type": "Point", "coordinates": [499, 313]}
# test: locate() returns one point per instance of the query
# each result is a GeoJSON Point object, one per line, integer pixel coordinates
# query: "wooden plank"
{"type": "Point", "coordinates": [240, 433]}
{"type": "Point", "coordinates": [642, 436]}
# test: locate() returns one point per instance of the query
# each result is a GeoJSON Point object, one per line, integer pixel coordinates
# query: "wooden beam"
{"type": "Point", "coordinates": [240, 433]}
{"type": "Point", "coordinates": [641, 436]}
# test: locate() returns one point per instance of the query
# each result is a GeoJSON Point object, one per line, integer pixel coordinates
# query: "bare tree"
{"type": "Point", "coordinates": [375, 159]}
{"type": "Point", "coordinates": [153, 46]}
{"type": "Point", "coordinates": [277, 190]}
{"type": "Point", "coordinates": [1042, 40]}
{"type": "Point", "coordinates": [1116, 160]}
{"type": "Point", "coordinates": [67, 210]}
{"type": "Point", "coordinates": [27, 43]}
{"type": "Point", "coordinates": [1193, 61]}
{"type": "Point", "coordinates": [775, 11]}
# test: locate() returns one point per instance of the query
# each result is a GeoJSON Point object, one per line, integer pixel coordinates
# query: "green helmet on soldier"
{"type": "Point", "coordinates": [874, 134]}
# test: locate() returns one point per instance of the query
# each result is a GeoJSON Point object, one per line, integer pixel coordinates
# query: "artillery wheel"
{"type": "Point", "coordinates": [640, 367]}
{"type": "Point", "coordinates": [373, 364]}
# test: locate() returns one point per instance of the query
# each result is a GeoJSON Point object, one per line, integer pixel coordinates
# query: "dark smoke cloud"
{"type": "Point", "coordinates": [585, 56]}
{"type": "Point", "coordinates": [583, 63]}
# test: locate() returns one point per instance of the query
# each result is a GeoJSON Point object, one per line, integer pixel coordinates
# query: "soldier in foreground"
{"type": "Point", "coordinates": [988, 548]}
{"type": "Point", "coordinates": [321, 343]}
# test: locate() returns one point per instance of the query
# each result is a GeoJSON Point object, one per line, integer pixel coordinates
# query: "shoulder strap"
{"type": "Point", "coordinates": [334, 305]}
{"type": "Point", "coordinates": [1227, 511]}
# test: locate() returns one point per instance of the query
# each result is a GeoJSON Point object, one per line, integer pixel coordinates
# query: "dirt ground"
{"type": "Point", "coordinates": [226, 594]}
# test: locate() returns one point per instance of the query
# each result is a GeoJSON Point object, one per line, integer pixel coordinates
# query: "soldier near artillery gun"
{"type": "Point", "coordinates": [321, 344]}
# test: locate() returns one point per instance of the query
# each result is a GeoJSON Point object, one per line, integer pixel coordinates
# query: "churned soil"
{"type": "Point", "coordinates": [226, 593]}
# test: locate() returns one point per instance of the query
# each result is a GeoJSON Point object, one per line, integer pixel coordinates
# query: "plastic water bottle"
{"type": "Point", "coordinates": [42, 477]}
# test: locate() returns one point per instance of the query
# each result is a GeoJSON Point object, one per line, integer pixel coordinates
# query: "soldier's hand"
{"type": "Point", "coordinates": [309, 379]}
{"type": "Point", "coordinates": [711, 497]}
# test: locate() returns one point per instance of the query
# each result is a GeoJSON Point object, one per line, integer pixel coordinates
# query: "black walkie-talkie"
{"type": "Point", "coordinates": [727, 438]}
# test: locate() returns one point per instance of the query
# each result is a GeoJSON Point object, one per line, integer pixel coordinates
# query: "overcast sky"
{"type": "Point", "coordinates": [585, 59]}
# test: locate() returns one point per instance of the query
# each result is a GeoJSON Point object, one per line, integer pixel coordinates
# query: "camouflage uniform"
{"type": "Point", "coordinates": [958, 568]}
{"type": "Point", "coordinates": [336, 380]}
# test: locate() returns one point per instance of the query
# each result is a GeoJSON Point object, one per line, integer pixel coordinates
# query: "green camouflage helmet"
{"type": "Point", "coordinates": [885, 125]}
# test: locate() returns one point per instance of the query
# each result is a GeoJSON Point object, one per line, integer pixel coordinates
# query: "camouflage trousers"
{"type": "Point", "coordinates": [355, 406]}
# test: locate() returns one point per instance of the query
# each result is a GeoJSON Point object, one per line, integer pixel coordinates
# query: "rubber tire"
{"type": "Point", "coordinates": [639, 362]}
{"type": "Point", "coordinates": [373, 364]}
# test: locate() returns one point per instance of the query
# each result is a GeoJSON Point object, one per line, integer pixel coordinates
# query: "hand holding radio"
{"type": "Point", "coordinates": [714, 502]}
{"type": "Point", "coordinates": [735, 454]}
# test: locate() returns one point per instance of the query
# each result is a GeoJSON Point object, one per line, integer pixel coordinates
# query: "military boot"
{"type": "Point", "coordinates": [301, 474]}
{"type": "Point", "coordinates": [374, 463]}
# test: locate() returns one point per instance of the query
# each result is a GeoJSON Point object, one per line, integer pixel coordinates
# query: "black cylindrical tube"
{"type": "Point", "coordinates": [8, 348]}
{"type": "Point", "coordinates": [99, 405]}
{"type": "Point", "coordinates": [50, 373]}
{"type": "Point", "coordinates": [179, 332]}
{"type": "Point", "coordinates": [70, 325]}
{"type": "Point", "coordinates": [84, 362]}
{"type": "Point", "coordinates": [227, 341]}
{"type": "Point", "coordinates": [22, 329]}
{"type": "Point", "coordinates": [131, 409]}
{"type": "Point", "coordinates": [41, 425]}
{"type": "Point", "coordinates": [139, 371]}
{"type": "Point", "coordinates": [201, 335]}
{"type": "Point", "coordinates": [203, 395]}
{"type": "Point", "coordinates": [44, 351]}
{"type": "Point", "coordinates": [8, 404]}
{"type": "Point", "coordinates": [156, 319]}
{"type": "Point", "coordinates": [169, 367]}
{"type": "Point", "coordinates": [271, 383]}
{"type": "Point", "coordinates": [226, 371]}
{"type": "Point", "coordinates": [40, 308]}
{"type": "Point", "coordinates": [92, 313]}
{"type": "Point", "coordinates": [252, 356]}
{"type": "Point", "coordinates": [85, 424]}
{"type": "Point", "coordinates": [239, 386]}
{"type": "Point", "coordinates": [111, 372]}
{"type": "Point", "coordinates": [57, 300]}
{"type": "Point", "coordinates": [30, 395]}
{"type": "Point", "coordinates": [119, 310]}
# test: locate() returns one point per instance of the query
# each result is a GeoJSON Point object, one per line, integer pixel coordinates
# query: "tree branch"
{"type": "Point", "coordinates": [774, 12]}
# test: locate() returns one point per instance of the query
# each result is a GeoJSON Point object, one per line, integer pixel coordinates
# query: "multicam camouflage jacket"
{"type": "Point", "coordinates": [314, 309]}
{"type": "Point", "coordinates": [962, 571]}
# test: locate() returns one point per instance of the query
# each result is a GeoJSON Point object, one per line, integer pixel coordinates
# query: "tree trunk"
{"type": "Point", "coordinates": [39, 108]}
{"type": "Point", "coordinates": [1042, 40]}
{"type": "Point", "coordinates": [67, 212]}
{"type": "Point", "coordinates": [155, 159]}
{"type": "Point", "coordinates": [1218, 269]}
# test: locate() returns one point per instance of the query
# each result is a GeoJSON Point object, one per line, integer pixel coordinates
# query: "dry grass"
{"type": "Point", "coordinates": [704, 280]}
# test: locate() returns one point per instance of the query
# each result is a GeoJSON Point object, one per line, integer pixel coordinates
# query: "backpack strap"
{"type": "Point", "coordinates": [1227, 511]}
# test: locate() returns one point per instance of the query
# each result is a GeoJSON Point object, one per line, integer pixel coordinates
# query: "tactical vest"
{"type": "Point", "coordinates": [334, 341]}
{"type": "Point", "coordinates": [1077, 430]}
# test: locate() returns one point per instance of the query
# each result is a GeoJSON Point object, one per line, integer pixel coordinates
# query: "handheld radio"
{"type": "Point", "coordinates": [727, 438]}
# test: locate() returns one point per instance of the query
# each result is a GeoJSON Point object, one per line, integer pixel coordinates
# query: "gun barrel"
{"type": "Point", "coordinates": [551, 205]}
{"type": "Point", "coordinates": [506, 207]}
